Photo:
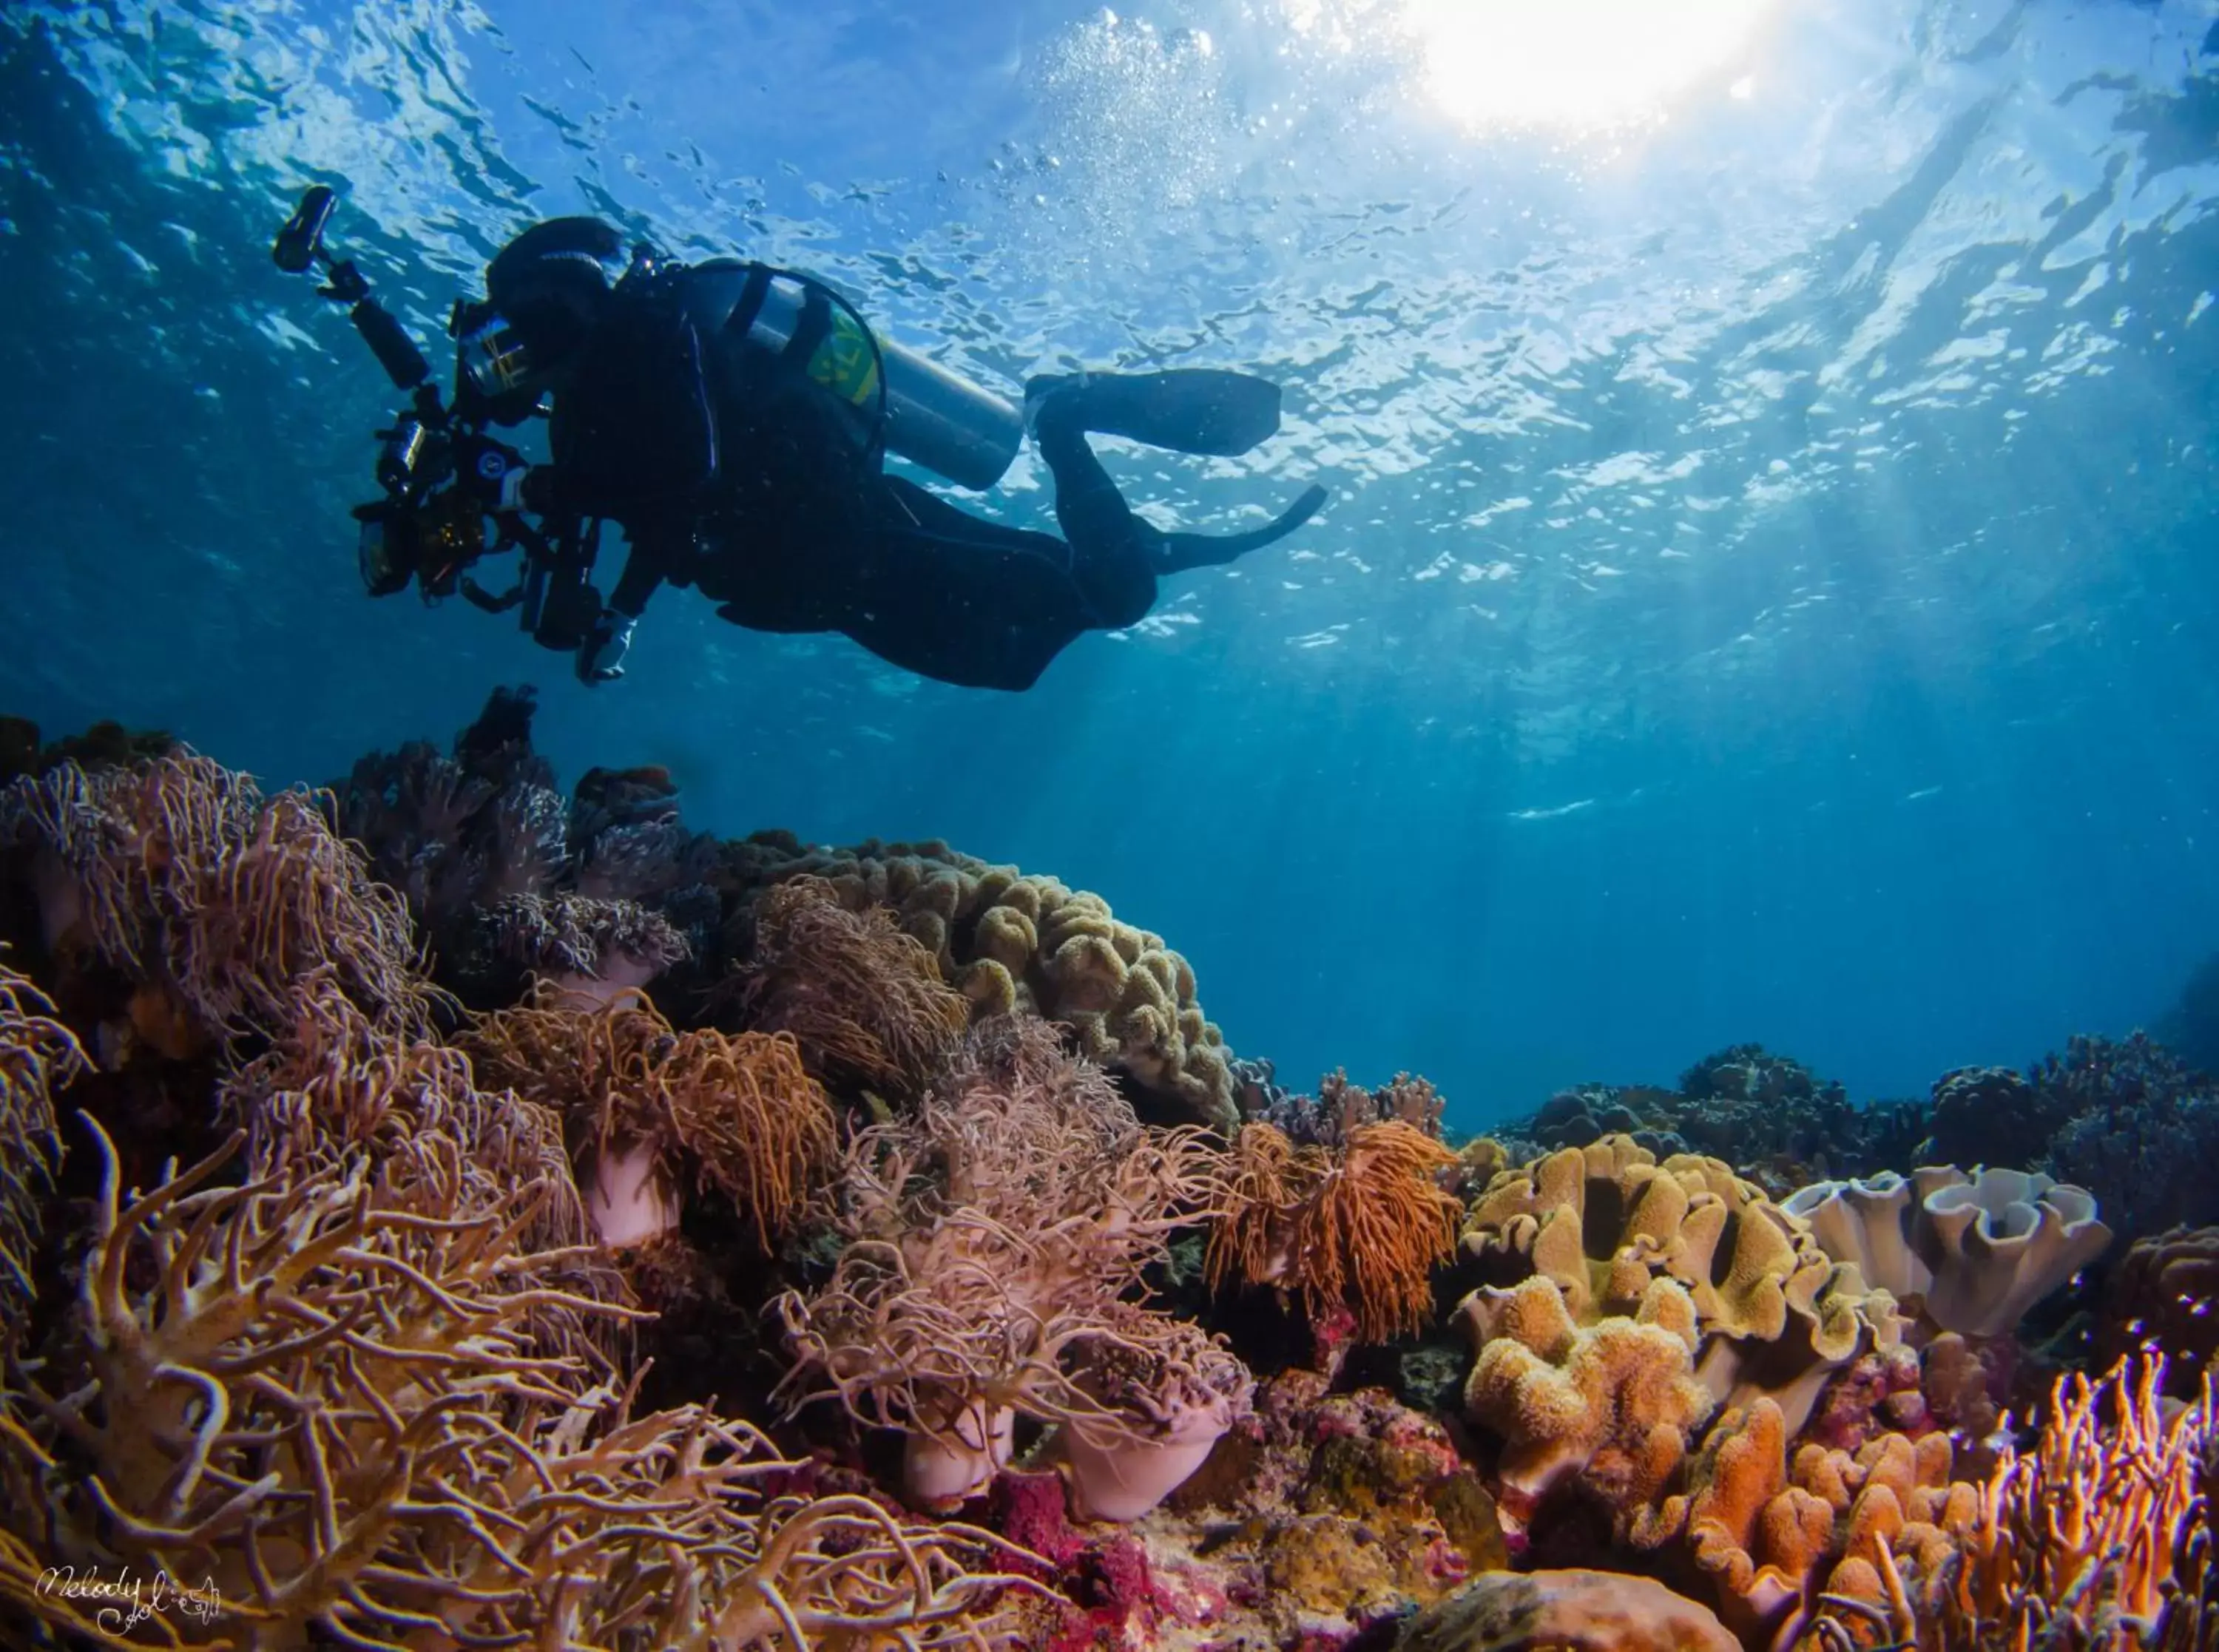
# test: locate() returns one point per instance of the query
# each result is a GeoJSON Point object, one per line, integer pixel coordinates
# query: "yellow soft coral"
{"type": "Point", "coordinates": [1611, 1403]}
{"type": "Point", "coordinates": [1774, 1312]}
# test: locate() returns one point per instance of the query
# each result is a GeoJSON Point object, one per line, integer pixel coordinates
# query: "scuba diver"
{"type": "Point", "coordinates": [732, 419]}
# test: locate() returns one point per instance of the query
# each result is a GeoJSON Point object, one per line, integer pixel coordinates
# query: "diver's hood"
{"type": "Point", "coordinates": [544, 290]}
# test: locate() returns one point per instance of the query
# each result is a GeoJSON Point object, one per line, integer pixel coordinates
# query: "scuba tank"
{"type": "Point", "coordinates": [929, 415]}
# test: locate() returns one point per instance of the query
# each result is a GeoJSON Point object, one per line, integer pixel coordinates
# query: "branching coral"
{"type": "Point", "coordinates": [326, 1405]}
{"type": "Point", "coordinates": [1359, 1228]}
{"type": "Point", "coordinates": [647, 1109]}
{"type": "Point", "coordinates": [994, 1238]}
{"type": "Point", "coordinates": [864, 999]}
{"type": "Point", "coordinates": [37, 1054]}
{"type": "Point", "coordinates": [2101, 1537]}
{"type": "Point", "coordinates": [181, 874]}
{"type": "Point", "coordinates": [1013, 942]}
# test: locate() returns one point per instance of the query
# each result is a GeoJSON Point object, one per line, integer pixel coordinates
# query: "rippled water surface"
{"type": "Point", "coordinates": [1769, 586]}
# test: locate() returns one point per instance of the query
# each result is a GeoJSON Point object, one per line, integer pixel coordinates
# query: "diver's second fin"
{"type": "Point", "coordinates": [1187, 409]}
{"type": "Point", "coordinates": [1176, 552]}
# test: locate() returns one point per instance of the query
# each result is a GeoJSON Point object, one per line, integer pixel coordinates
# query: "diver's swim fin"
{"type": "Point", "coordinates": [1177, 552]}
{"type": "Point", "coordinates": [1186, 409]}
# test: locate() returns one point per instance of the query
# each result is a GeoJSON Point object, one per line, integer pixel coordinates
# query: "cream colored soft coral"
{"type": "Point", "coordinates": [1774, 1314]}
{"type": "Point", "coordinates": [1612, 1403]}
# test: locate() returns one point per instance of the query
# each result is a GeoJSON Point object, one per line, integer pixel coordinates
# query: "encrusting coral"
{"type": "Point", "coordinates": [995, 1238]}
{"type": "Point", "coordinates": [649, 1110]}
{"type": "Point", "coordinates": [1569, 1610]}
{"type": "Point", "coordinates": [1357, 1227]}
{"type": "Point", "coordinates": [864, 997]}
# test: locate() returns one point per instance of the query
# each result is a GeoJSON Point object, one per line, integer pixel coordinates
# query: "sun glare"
{"type": "Point", "coordinates": [1575, 64]}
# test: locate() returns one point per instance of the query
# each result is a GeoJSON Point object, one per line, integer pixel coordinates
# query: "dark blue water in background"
{"type": "Point", "coordinates": [1769, 593]}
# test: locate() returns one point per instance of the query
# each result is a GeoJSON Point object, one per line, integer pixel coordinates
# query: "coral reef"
{"type": "Point", "coordinates": [439, 1210]}
{"type": "Point", "coordinates": [1356, 1229]}
{"type": "Point", "coordinates": [1978, 1251]}
{"type": "Point", "coordinates": [1012, 941]}
{"type": "Point", "coordinates": [1776, 1120]}
{"type": "Point", "coordinates": [328, 1405]}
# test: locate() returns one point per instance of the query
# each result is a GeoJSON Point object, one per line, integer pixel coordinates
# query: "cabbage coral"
{"type": "Point", "coordinates": [36, 1053]}
{"type": "Point", "coordinates": [993, 1238]}
{"type": "Point", "coordinates": [648, 1109]}
{"type": "Point", "coordinates": [180, 873]}
{"type": "Point", "coordinates": [1360, 1226]}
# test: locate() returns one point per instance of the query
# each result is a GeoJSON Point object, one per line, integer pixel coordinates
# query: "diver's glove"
{"type": "Point", "coordinates": [490, 472]}
{"type": "Point", "coordinates": [600, 656]}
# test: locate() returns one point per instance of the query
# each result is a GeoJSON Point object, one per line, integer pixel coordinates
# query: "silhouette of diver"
{"type": "Point", "coordinates": [732, 419]}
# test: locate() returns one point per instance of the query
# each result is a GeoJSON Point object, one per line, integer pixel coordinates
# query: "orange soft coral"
{"type": "Point", "coordinates": [865, 1000]}
{"type": "Point", "coordinates": [647, 1109]}
{"type": "Point", "coordinates": [1360, 1226]}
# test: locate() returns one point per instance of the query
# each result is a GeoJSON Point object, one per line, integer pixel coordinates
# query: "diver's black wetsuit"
{"type": "Point", "coordinates": [729, 471]}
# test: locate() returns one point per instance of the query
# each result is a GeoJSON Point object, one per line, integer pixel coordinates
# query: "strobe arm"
{"type": "Point", "coordinates": [299, 248]}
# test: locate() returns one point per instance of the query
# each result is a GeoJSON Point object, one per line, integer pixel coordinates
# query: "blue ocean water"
{"type": "Point", "coordinates": [1769, 591]}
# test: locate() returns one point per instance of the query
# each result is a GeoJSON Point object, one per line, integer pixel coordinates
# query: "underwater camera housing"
{"type": "Point", "coordinates": [421, 530]}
